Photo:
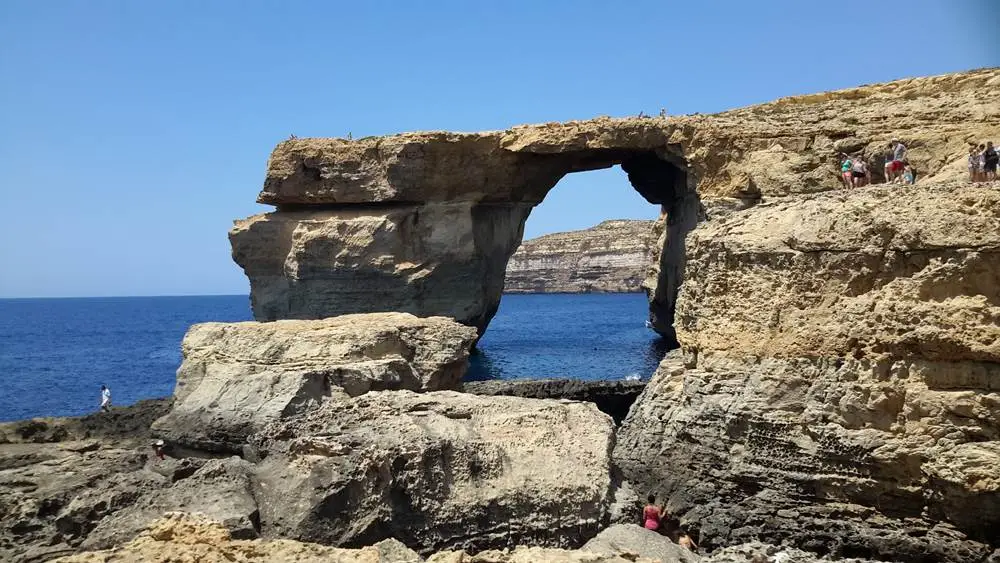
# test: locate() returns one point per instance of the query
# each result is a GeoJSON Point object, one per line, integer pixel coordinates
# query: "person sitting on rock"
{"type": "Point", "coordinates": [685, 540]}
{"type": "Point", "coordinates": [652, 515]}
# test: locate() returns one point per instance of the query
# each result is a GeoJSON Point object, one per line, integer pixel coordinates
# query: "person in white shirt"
{"type": "Point", "coordinates": [105, 399]}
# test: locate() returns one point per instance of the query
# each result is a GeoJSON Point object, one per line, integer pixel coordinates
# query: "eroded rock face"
{"type": "Point", "coordinates": [237, 377]}
{"type": "Point", "coordinates": [438, 470]}
{"type": "Point", "coordinates": [442, 259]}
{"type": "Point", "coordinates": [610, 257]}
{"type": "Point", "coordinates": [838, 388]}
{"type": "Point", "coordinates": [220, 490]}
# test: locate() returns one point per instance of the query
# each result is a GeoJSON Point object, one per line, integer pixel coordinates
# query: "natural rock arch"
{"type": "Point", "coordinates": [425, 223]}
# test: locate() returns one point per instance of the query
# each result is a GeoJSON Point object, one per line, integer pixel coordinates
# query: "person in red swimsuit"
{"type": "Point", "coordinates": [652, 515]}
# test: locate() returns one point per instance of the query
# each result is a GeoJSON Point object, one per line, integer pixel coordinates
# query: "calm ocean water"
{"type": "Point", "coordinates": [56, 353]}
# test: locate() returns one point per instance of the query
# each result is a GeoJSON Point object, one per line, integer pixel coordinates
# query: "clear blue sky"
{"type": "Point", "coordinates": [133, 132]}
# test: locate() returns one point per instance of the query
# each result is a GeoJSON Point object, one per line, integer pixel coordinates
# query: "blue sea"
{"type": "Point", "coordinates": [56, 353]}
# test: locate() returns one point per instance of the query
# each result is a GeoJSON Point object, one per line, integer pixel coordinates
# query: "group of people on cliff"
{"type": "Point", "coordinates": [854, 170]}
{"type": "Point", "coordinates": [856, 173]}
{"type": "Point", "coordinates": [983, 160]}
{"type": "Point", "coordinates": [656, 519]}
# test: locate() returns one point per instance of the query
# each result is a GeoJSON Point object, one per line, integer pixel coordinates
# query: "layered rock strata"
{"type": "Point", "coordinates": [838, 387]}
{"type": "Point", "coordinates": [613, 398]}
{"type": "Point", "coordinates": [610, 257]}
{"type": "Point", "coordinates": [238, 377]}
{"type": "Point", "coordinates": [426, 222]}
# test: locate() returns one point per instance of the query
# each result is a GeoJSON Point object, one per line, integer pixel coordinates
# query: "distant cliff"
{"type": "Point", "coordinates": [611, 257]}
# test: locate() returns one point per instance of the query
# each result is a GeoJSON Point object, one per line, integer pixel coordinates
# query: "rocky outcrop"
{"type": "Point", "coordinates": [220, 489]}
{"type": "Point", "coordinates": [193, 537]}
{"type": "Point", "coordinates": [613, 398]}
{"type": "Point", "coordinates": [180, 536]}
{"type": "Point", "coordinates": [611, 257]}
{"type": "Point", "coordinates": [120, 422]}
{"type": "Point", "coordinates": [53, 495]}
{"type": "Point", "coordinates": [426, 222]}
{"type": "Point", "coordinates": [238, 377]}
{"type": "Point", "coordinates": [630, 540]}
{"type": "Point", "coordinates": [439, 470]}
{"type": "Point", "coordinates": [838, 386]}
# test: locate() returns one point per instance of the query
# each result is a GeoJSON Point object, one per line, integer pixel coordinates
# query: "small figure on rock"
{"type": "Point", "coordinates": [105, 399]}
{"type": "Point", "coordinates": [685, 541]}
{"type": "Point", "coordinates": [894, 166]}
{"type": "Point", "coordinates": [909, 174]}
{"type": "Point", "coordinates": [652, 515]}
{"type": "Point", "coordinates": [990, 160]}
{"type": "Point", "coordinates": [158, 449]}
{"type": "Point", "coordinates": [859, 172]}
{"type": "Point", "coordinates": [981, 162]}
{"type": "Point", "coordinates": [973, 164]}
{"type": "Point", "coordinates": [845, 171]}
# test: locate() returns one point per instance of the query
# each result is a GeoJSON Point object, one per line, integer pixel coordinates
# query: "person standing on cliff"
{"type": "Point", "coordinates": [859, 172]}
{"type": "Point", "coordinates": [845, 171]}
{"type": "Point", "coordinates": [105, 399]}
{"type": "Point", "coordinates": [990, 160]}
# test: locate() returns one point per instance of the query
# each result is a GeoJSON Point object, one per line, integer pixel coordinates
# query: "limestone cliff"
{"type": "Point", "coordinates": [426, 222]}
{"type": "Point", "coordinates": [610, 257]}
{"type": "Point", "coordinates": [840, 382]}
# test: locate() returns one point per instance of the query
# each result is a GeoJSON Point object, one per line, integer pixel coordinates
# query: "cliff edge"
{"type": "Point", "coordinates": [611, 257]}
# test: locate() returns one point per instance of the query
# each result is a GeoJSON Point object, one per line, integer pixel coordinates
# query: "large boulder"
{"type": "Point", "coordinates": [838, 387]}
{"type": "Point", "coordinates": [237, 377]}
{"type": "Point", "coordinates": [438, 470]}
{"type": "Point", "coordinates": [631, 541]}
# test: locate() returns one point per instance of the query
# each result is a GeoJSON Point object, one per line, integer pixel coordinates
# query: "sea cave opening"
{"type": "Point", "coordinates": [564, 314]}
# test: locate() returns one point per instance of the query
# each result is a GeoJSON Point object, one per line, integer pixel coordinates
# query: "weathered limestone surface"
{"type": "Point", "coordinates": [442, 259]}
{"type": "Point", "coordinates": [840, 381]}
{"type": "Point", "coordinates": [440, 470]}
{"type": "Point", "coordinates": [425, 222]}
{"type": "Point", "coordinates": [237, 377]}
{"type": "Point", "coordinates": [193, 537]}
{"type": "Point", "coordinates": [610, 257]}
{"type": "Point", "coordinates": [181, 536]}
{"type": "Point", "coordinates": [220, 489]}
